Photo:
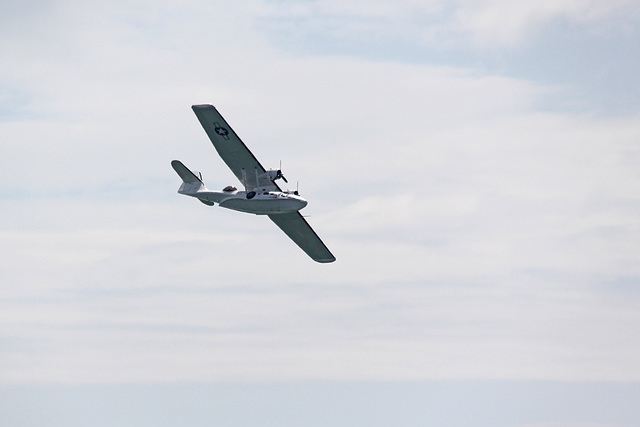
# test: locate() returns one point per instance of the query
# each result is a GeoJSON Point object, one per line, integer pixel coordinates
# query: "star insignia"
{"type": "Point", "coordinates": [223, 132]}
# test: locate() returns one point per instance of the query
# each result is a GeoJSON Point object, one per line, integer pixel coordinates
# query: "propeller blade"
{"type": "Point", "coordinates": [280, 175]}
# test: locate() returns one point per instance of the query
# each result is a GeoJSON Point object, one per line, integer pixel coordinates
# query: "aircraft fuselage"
{"type": "Point", "coordinates": [259, 203]}
{"type": "Point", "coordinates": [263, 204]}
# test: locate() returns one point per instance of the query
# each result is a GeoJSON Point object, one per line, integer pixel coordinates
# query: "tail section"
{"type": "Point", "coordinates": [191, 181]}
{"type": "Point", "coordinates": [187, 176]}
{"type": "Point", "coordinates": [193, 186]}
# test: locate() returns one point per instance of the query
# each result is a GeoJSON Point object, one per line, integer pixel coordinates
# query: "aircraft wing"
{"type": "Point", "coordinates": [299, 230]}
{"type": "Point", "coordinates": [230, 147]}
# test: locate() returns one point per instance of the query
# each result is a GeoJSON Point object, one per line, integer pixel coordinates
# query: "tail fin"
{"type": "Point", "coordinates": [187, 176]}
{"type": "Point", "coordinates": [191, 181]}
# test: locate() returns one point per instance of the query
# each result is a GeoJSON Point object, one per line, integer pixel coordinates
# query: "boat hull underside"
{"type": "Point", "coordinates": [263, 206]}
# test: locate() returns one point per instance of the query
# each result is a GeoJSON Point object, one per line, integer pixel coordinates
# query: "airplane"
{"type": "Point", "coordinates": [261, 195]}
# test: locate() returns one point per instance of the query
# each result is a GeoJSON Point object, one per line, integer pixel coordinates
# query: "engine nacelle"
{"type": "Point", "coordinates": [274, 174]}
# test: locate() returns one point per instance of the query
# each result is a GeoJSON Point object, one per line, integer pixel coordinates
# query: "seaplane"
{"type": "Point", "coordinates": [261, 194]}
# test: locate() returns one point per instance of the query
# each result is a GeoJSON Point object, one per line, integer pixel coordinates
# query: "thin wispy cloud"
{"type": "Point", "coordinates": [484, 213]}
{"type": "Point", "coordinates": [488, 24]}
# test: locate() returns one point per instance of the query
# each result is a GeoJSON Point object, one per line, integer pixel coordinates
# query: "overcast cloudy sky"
{"type": "Point", "coordinates": [473, 165]}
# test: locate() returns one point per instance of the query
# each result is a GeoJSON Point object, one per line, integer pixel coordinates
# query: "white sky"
{"type": "Point", "coordinates": [474, 166]}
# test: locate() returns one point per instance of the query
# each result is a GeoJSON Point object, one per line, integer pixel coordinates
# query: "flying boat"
{"type": "Point", "coordinates": [261, 194]}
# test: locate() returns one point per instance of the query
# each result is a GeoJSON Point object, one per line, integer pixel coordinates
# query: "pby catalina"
{"type": "Point", "coordinates": [261, 195]}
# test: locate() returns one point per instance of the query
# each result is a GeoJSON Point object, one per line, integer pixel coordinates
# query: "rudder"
{"type": "Point", "coordinates": [183, 172]}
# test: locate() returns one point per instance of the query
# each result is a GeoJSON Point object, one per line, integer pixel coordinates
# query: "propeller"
{"type": "Point", "coordinates": [279, 173]}
{"type": "Point", "coordinates": [282, 176]}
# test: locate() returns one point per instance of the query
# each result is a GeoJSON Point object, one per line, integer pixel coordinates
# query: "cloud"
{"type": "Point", "coordinates": [508, 23]}
{"type": "Point", "coordinates": [582, 46]}
{"type": "Point", "coordinates": [478, 235]}
{"type": "Point", "coordinates": [493, 23]}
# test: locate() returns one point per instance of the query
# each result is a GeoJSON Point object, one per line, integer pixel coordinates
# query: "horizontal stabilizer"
{"type": "Point", "coordinates": [184, 173]}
